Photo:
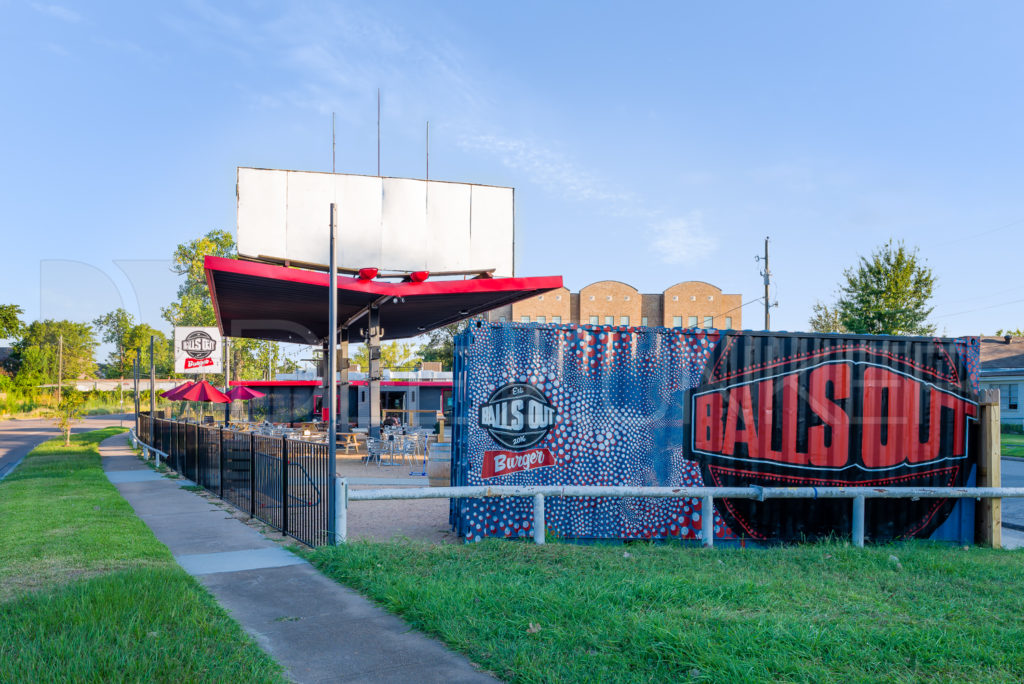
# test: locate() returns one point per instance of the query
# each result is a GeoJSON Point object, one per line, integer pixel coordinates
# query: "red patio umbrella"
{"type": "Point", "coordinates": [243, 393]}
{"type": "Point", "coordinates": [174, 394]}
{"type": "Point", "coordinates": [204, 391]}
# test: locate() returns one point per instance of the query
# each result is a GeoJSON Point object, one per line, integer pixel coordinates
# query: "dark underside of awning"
{"type": "Point", "coordinates": [262, 301]}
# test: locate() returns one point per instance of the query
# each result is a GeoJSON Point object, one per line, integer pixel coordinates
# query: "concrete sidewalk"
{"type": "Point", "coordinates": [317, 629]}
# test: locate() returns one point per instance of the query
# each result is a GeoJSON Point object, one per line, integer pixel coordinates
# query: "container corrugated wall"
{"type": "Point", "coordinates": [604, 405]}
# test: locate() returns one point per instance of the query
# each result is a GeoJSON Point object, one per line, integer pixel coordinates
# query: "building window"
{"type": "Point", "coordinates": [608, 298]}
{"type": "Point", "coordinates": [709, 322]}
{"type": "Point", "coordinates": [677, 321]}
{"type": "Point", "coordinates": [1009, 398]}
{"type": "Point", "coordinates": [693, 298]}
{"type": "Point", "coordinates": [643, 321]}
{"type": "Point", "coordinates": [728, 322]}
{"type": "Point", "coordinates": [711, 298]}
{"type": "Point", "coordinates": [594, 320]}
{"type": "Point", "coordinates": [691, 322]}
{"type": "Point", "coordinates": [675, 298]}
{"type": "Point", "coordinates": [623, 320]}
{"type": "Point", "coordinates": [542, 319]}
{"type": "Point", "coordinates": [540, 298]}
{"type": "Point", "coordinates": [627, 298]}
{"type": "Point", "coordinates": [609, 320]}
{"type": "Point", "coordinates": [558, 298]}
{"type": "Point", "coordinates": [556, 319]}
{"type": "Point", "coordinates": [524, 319]}
{"type": "Point", "coordinates": [501, 318]}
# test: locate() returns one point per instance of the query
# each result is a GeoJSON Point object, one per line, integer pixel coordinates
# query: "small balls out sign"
{"type": "Point", "coordinates": [517, 417]}
{"type": "Point", "coordinates": [197, 350]}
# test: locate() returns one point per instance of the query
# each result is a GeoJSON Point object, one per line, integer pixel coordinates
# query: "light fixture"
{"type": "Point", "coordinates": [419, 276]}
{"type": "Point", "coordinates": [368, 273]}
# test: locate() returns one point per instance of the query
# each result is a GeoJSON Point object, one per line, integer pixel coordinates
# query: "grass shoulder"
{"type": "Point", "coordinates": [1012, 445]}
{"type": "Point", "coordinates": [88, 592]}
{"type": "Point", "coordinates": [640, 612]}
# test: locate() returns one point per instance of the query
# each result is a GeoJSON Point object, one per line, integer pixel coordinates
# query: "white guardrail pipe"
{"type": "Point", "coordinates": [858, 495]}
{"type": "Point", "coordinates": [138, 443]}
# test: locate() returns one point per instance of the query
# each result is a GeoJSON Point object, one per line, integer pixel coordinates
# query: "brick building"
{"type": "Point", "coordinates": [691, 304]}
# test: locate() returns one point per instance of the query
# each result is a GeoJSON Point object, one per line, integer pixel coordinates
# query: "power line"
{"type": "Point", "coordinates": [981, 308]}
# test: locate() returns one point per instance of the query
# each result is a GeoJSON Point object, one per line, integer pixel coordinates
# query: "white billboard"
{"type": "Point", "coordinates": [398, 224]}
{"type": "Point", "coordinates": [197, 350]}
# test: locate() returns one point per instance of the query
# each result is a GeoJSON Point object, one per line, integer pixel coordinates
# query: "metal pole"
{"type": "Point", "coordinates": [707, 521]}
{"type": "Point", "coordinates": [767, 280]}
{"type": "Point", "coordinates": [332, 388]}
{"type": "Point", "coordinates": [60, 367]}
{"type": "Point", "coordinates": [284, 485]}
{"type": "Point", "coordinates": [539, 530]}
{"type": "Point", "coordinates": [858, 521]}
{"type": "Point", "coordinates": [341, 513]}
{"type": "Point", "coordinates": [373, 376]}
{"type": "Point", "coordinates": [227, 378]}
{"type": "Point", "coordinates": [135, 376]}
{"type": "Point", "coordinates": [152, 388]}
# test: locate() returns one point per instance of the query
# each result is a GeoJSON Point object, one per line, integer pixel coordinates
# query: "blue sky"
{"type": "Point", "coordinates": [649, 143]}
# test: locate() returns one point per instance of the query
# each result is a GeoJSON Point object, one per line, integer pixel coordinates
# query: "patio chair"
{"type": "Point", "coordinates": [374, 451]}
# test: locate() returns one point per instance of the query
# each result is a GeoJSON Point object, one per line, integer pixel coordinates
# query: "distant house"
{"type": "Point", "coordinates": [1002, 368]}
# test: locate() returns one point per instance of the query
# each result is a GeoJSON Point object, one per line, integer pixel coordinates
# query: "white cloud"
{"type": "Point", "coordinates": [682, 240]}
{"type": "Point", "coordinates": [58, 12]}
{"type": "Point", "coordinates": [546, 167]}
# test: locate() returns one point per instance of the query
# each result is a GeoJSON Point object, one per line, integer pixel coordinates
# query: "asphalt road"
{"type": "Point", "coordinates": [18, 437]}
{"type": "Point", "coordinates": [1013, 509]}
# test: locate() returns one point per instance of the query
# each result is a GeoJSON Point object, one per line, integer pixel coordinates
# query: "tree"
{"type": "Point", "coordinates": [35, 357]}
{"type": "Point", "coordinates": [68, 409]}
{"type": "Point", "coordinates": [887, 294]}
{"type": "Point", "coordinates": [114, 328]}
{"type": "Point", "coordinates": [194, 306]}
{"type": "Point", "coordinates": [10, 321]}
{"type": "Point", "coordinates": [1012, 333]}
{"type": "Point", "coordinates": [120, 329]}
{"type": "Point", "coordinates": [440, 344]}
{"type": "Point", "coordinates": [825, 320]}
{"type": "Point", "coordinates": [397, 356]}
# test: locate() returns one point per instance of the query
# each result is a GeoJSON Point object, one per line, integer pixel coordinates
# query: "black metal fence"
{"type": "Point", "coordinates": [283, 482]}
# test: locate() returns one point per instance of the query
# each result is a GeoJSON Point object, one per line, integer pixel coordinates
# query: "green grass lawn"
{"type": "Point", "coordinates": [645, 613]}
{"type": "Point", "coordinates": [87, 593]}
{"type": "Point", "coordinates": [1012, 445]}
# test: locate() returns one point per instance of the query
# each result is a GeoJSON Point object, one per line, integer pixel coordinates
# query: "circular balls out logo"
{"type": "Point", "coordinates": [517, 416]}
{"type": "Point", "coordinates": [198, 344]}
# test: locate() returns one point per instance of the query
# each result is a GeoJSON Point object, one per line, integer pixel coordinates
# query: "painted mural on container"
{"type": "Point", "coordinates": [604, 405]}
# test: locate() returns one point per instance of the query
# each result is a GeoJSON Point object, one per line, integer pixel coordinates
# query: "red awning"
{"type": "Point", "coordinates": [267, 302]}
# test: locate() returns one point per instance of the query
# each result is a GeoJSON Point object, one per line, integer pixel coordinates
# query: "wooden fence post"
{"type": "Point", "coordinates": [990, 511]}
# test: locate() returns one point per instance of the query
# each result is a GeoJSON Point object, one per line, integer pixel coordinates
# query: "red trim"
{"type": "Point", "coordinates": [357, 383]}
{"type": "Point", "coordinates": [213, 299]}
{"type": "Point", "coordinates": [376, 287]}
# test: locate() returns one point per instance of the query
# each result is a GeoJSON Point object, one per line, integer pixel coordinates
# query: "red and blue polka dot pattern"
{"type": "Point", "coordinates": [618, 393]}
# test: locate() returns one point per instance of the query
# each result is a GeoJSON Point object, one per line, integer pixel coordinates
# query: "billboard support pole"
{"type": "Point", "coordinates": [374, 373]}
{"type": "Point", "coordinates": [332, 388]}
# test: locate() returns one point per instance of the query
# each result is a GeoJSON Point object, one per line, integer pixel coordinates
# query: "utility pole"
{"type": "Point", "coordinates": [767, 281]}
{"type": "Point", "coordinates": [60, 367]}
{"type": "Point", "coordinates": [152, 384]}
{"type": "Point", "coordinates": [135, 375]}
